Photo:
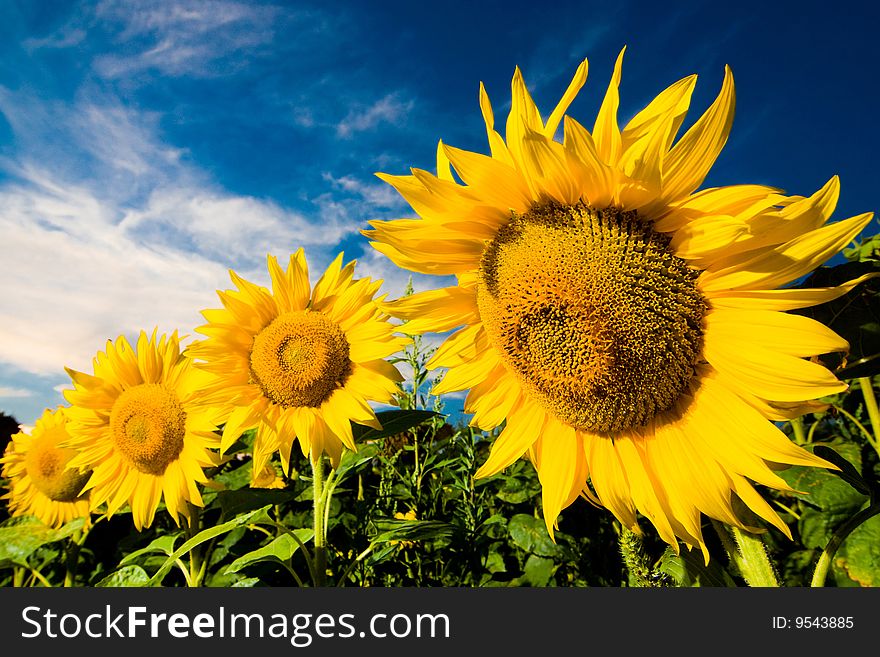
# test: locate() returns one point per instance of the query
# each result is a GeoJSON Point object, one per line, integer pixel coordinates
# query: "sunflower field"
{"type": "Point", "coordinates": [666, 385]}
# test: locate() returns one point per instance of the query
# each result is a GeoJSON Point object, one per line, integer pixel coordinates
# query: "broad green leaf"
{"type": "Point", "coordinates": [530, 534]}
{"type": "Point", "coordinates": [281, 548]}
{"type": "Point", "coordinates": [847, 470]}
{"type": "Point", "coordinates": [538, 571]}
{"type": "Point", "coordinates": [517, 490]}
{"type": "Point", "coordinates": [247, 582]}
{"type": "Point", "coordinates": [393, 422]}
{"type": "Point", "coordinates": [22, 536]}
{"type": "Point", "coordinates": [688, 569]}
{"type": "Point", "coordinates": [859, 556]}
{"type": "Point", "coordinates": [825, 490]}
{"type": "Point", "coordinates": [495, 563]}
{"type": "Point", "coordinates": [125, 577]}
{"type": "Point", "coordinates": [163, 544]}
{"type": "Point", "coordinates": [207, 535]}
{"type": "Point", "coordinates": [353, 460]}
{"type": "Point", "coordinates": [393, 529]}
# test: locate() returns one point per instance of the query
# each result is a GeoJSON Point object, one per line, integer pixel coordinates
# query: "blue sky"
{"type": "Point", "coordinates": [148, 147]}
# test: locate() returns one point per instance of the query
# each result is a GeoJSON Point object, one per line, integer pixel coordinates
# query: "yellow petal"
{"type": "Point", "coordinates": [435, 310]}
{"type": "Point", "coordinates": [558, 453]}
{"type": "Point", "coordinates": [523, 428]}
{"type": "Point", "coordinates": [496, 182]}
{"type": "Point", "coordinates": [687, 164]}
{"type": "Point", "coordinates": [606, 133]}
{"type": "Point", "coordinates": [496, 144]}
{"type": "Point", "coordinates": [788, 299]}
{"type": "Point", "coordinates": [784, 263]}
{"type": "Point", "coordinates": [795, 335]}
{"type": "Point", "coordinates": [770, 374]}
{"type": "Point", "coordinates": [576, 84]}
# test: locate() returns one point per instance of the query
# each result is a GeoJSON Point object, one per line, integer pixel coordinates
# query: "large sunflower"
{"type": "Point", "coordinates": [299, 363]}
{"type": "Point", "coordinates": [138, 425]}
{"type": "Point", "coordinates": [40, 483]}
{"type": "Point", "coordinates": [628, 329]}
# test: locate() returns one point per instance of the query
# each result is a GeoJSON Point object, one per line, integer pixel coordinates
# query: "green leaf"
{"type": "Point", "coordinates": [353, 460]}
{"type": "Point", "coordinates": [393, 422]}
{"type": "Point", "coordinates": [207, 535]}
{"type": "Point", "coordinates": [22, 536]}
{"type": "Point", "coordinates": [530, 534]}
{"type": "Point", "coordinates": [688, 569]}
{"type": "Point", "coordinates": [823, 489]}
{"type": "Point", "coordinates": [847, 471]}
{"type": "Point", "coordinates": [247, 582]}
{"type": "Point", "coordinates": [393, 529]}
{"type": "Point", "coordinates": [538, 571]}
{"type": "Point", "coordinates": [517, 490]}
{"type": "Point", "coordinates": [281, 548]}
{"type": "Point", "coordinates": [859, 556]}
{"type": "Point", "coordinates": [163, 544]}
{"type": "Point", "coordinates": [125, 577]}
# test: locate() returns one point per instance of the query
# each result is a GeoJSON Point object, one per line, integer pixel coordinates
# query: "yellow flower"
{"type": "Point", "coordinates": [299, 363]}
{"type": "Point", "coordinates": [138, 425]}
{"type": "Point", "coordinates": [268, 477]}
{"type": "Point", "coordinates": [40, 482]}
{"type": "Point", "coordinates": [628, 329]}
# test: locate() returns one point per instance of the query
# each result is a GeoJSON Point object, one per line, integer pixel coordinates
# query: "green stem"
{"type": "Point", "coordinates": [861, 427]}
{"type": "Point", "coordinates": [755, 564]}
{"type": "Point", "coordinates": [837, 540]}
{"type": "Point", "coordinates": [797, 427]}
{"type": "Point", "coordinates": [196, 571]}
{"type": "Point", "coordinates": [318, 505]}
{"type": "Point", "coordinates": [637, 563]}
{"type": "Point", "coordinates": [867, 387]}
{"type": "Point", "coordinates": [76, 542]}
{"type": "Point", "coordinates": [363, 555]}
{"type": "Point", "coordinates": [37, 575]}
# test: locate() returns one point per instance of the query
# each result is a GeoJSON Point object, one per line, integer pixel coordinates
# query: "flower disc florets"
{"type": "Point", "coordinates": [300, 359]}
{"type": "Point", "coordinates": [148, 424]}
{"type": "Point", "coordinates": [599, 320]}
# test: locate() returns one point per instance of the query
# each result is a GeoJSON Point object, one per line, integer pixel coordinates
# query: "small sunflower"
{"type": "Point", "coordinates": [138, 425]}
{"type": "Point", "coordinates": [627, 329]}
{"type": "Point", "coordinates": [299, 363]}
{"type": "Point", "coordinates": [41, 484]}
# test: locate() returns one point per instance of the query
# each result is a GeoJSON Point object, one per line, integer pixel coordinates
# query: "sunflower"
{"type": "Point", "coordinates": [41, 484]}
{"type": "Point", "coordinates": [299, 363]}
{"type": "Point", "coordinates": [628, 330]}
{"type": "Point", "coordinates": [138, 425]}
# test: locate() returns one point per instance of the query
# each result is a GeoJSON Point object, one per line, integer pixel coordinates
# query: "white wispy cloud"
{"type": "Point", "coordinates": [184, 37]}
{"type": "Point", "coordinates": [388, 109]}
{"type": "Point", "coordinates": [8, 392]}
{"type": "Point", "coordinates": [66, 37]}
{"type": "Point", "coordinates": [114, 233]}
{"type": "Point", "coordinates": [376, 193]}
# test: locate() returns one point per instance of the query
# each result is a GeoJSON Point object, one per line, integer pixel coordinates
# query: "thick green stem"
{"type": "Point", "coordinates": [193, 526]}
{"type": "Point", "coordinates": [318, 502]}
{"type": "Point", "coordinates": [837, 540]}
{"type": "Point", "coordinates": [641, 572]}
{"type": "Point", "coordinates": [797, 427]}
{"type": "Point", "coordinates": [754, 563]}
{"type": "Point", "coordinates": [867, 387]}
{"type": "Point", "coordinates": [73, 549]}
